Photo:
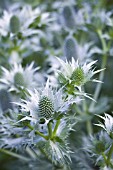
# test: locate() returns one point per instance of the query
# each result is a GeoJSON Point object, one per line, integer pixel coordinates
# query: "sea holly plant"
{"type": "Point", "coordinates": [47, 113]}
{"type": "Point", "coordinates": [44, 121]}
{"type": "Point", "coordinates": [44, 113]}
{"type": "Point", "coordinates": [100, 146]}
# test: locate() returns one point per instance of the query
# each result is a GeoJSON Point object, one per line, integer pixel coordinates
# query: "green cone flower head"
{"type": "Point", "coordinates": [78, 76]}
{"type": "Point", "coordinates": [18, 77]}
{"type": "Point", "coordinates": [70, 47]}
{"type": "Point", "coordinates": [68, 18]}
{"type": "Point", "coordinates": [14, 24]}
{"type": "Point", "coordinates": [46, 107]}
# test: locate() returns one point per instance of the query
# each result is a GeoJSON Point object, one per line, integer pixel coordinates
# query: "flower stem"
{"type": "Point", "coordinates": [14, 154]}
{"type": "Point", "coordinates": [37, 132]}
{"type": "Point", "coordinates": [56, 127]}
{"type": "Point", "coordinates": [89, 127]}
{"type": "Point", "coordinates": [49, 125]}
{"type": "Point", "coordinates": [109, 155]}
{"type": "Point", "coordinates": [104, 157]}
{"type": "Point", "coordinates": [85, 110]}
{"type": "Point", "coordinates": [101, 76]}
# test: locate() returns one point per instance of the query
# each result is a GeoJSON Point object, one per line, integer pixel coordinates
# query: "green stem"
{"type": "Point", "coordinates": [89, 127]}
{"type": "Point", "coordinates": [37, 132]}
{"type": "Point", "coordinates": [78, 110]}
{"type": "Point", "coordinates": [111, 165]}
{"type": "Point", "coordinates": [101, 76]}
{"type": "Point", "coordinates": [14, 154]}
{"type": "Point", "coordinates": [84, 104]}
{"type": "Point", "coordinates": [109, 155]}
{"type": "Point", "coordinates": [56, 127]}
{"type": "Point", "coordinates": [104, 157]}
{"type": "Point", "coordinates": [85, 110]}
{"type": "Point", "coordinates": [49, 125]}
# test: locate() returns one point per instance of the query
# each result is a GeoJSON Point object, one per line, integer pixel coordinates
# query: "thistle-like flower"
{"type": "Point", "coordinates": [97, 144]}
{"type": "Point", "coordinates": [19, 20]}
{"type": "Point", "coordinates": [100, 19]}
{"type": "Point", "coordinates": [43, 104]}
{"type": "Point", "coordinates": [108, 124]}
{"type": "Point", "coordinates": [76, 73]}
{"type": "Point", "coordinates": [18, 77]}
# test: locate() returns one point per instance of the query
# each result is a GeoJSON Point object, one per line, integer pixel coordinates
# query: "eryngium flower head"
{"type": "Point", "coordinates": [76, 73]}
{"type": "Point", "coordinates": [108, 124]}
{"type": "Point", "coordinates": [45, 102]}
{"type": "Point", "coordinates": [97, 144]}
{"type": "Point", "coordinates": [18, 77]}
{"type": "Point", "coordinates": [18, 19]}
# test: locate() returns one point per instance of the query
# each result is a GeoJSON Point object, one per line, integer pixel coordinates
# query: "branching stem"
{"type": "Point", "coordinates": [56, 127]}
{"type": "Point", "coordinates": [109, 155]}
{"type": "Point", "coordinates": [49, 125]}
{"type": "Point", "coordinates": [14, 154]}
{"type": "Point", "coordinates": [104, 157]}
{"type": "Point", "coordinates": [37, 132]}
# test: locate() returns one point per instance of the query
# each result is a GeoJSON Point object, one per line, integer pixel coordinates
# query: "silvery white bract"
{"type": "Point", "coordinates": [106, 168]}
{"type": "Point", "coordinates": [52, 71]}
{"type": "Point", "coordinates": [58, 153]}
{"type": "Point", "coordinates": [45, 102]}
{"type": "Point", "coordinates": [66, 126]}
{"type": "Point", "coordinates": [15, 57]}
{"type": "Point", "coordinates": [18, 77]}
{"type": "Point", "coordinates": [77, 72]}
{"type": "Point", "coordinates": [19, 20]}
{"type": "Point", "coordinates": [100, 19]}
{"type": "Point", "coordinates": [105, 17]}
{"type": "Point", "coordinates": [108, 124]}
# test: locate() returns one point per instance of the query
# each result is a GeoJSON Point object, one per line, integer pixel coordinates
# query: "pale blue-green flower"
{"type": "Point", "coordinates": [18, 77]}
{"type": "Point", "coordinates": [46, 102]}
{"type": "Point", "coordinates": [76, 73]}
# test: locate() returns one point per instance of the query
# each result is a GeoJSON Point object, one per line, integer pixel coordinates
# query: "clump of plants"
{"type": "Point", "coordinates": [55, 85]}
